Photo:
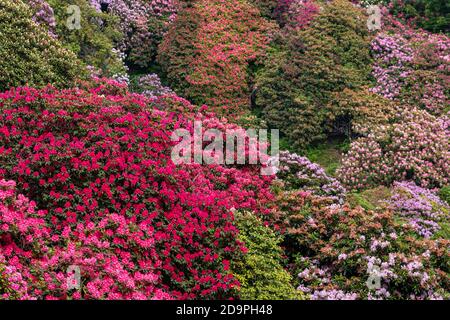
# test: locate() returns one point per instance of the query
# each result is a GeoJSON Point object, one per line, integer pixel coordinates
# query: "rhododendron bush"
{"type": "Point", "coordinates": [412, 67]}
{"type": "Point", "coordinates": [38, 58]}
{"type": "Point", "coordinates": [208, 49]}
{"type": "Point", "coordinates": [299, 82]}
{"type": "Point", "coordinates": [139, 150]}
{"type": "Point", "coordinates": [335, 249]}
{"type": "Point", "coordinates": [416, 148]}
{"type": "Point", "coordinates": [114, 202]}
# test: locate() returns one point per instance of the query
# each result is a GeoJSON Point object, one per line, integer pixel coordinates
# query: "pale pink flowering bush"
{"type": "Point", "coordinates": [417, 149]}
{"type": "Point", "coordinates": [43, 14]}
{"type": "Point", "coordinates": [150, 85]}
{"type": "Point", "coordinates": [299, 173]}
{"type": "Point", "coordinates": [392, 56]}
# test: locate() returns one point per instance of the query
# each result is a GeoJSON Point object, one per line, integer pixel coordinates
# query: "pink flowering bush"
{"type": "Point", "coordinates": [98, 161]}
{"type": "Point", "coordinates": [295, 14]}
{"type": "Point", "coordinates": [416, 149]}
{"type": "Point", "coordinates": [208, 50]}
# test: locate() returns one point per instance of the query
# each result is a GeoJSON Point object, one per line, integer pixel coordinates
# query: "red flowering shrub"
{"type": "Point", "coordinates": [116, 205]}
{"type": "Point", "coordinates": [208, 49]}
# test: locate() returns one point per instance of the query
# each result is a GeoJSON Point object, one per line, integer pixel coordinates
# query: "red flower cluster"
{"type": "Point", "coordinates": [115, 205]}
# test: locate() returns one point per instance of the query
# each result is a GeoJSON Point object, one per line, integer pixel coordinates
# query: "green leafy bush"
{"type": "Point", "coordinates": [307, 67]}
{"type": "Point", "coordinates": [95, 40]}
{"type": "Point", "coordinates": [28, 54]}
{"type": "Point", "coordinates": [260, 272]}
{"type": "Point", "coordinates": [432, 15]}
{"type": "Point", "coordinates": [444, 193]}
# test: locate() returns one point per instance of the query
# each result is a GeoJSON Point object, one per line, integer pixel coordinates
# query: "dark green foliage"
{"type": "Point", "coordinates": [432, 15]}
{"type": "Point", "coordinates": [28, 54]}
{"type": "Point", "coordinates": [94, 41]}
{"type": "Point", "coordinates": [308, 67]}
{"type": "Point", "coordinates": [444, 194]}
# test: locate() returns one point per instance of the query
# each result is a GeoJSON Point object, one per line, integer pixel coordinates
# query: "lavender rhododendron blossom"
{"type": "Point", "coordinates": [422, 208]}
{"type": "Point", "coordinates": [150, 85]}
{"type": "Point", "coordinates": [300, 173]}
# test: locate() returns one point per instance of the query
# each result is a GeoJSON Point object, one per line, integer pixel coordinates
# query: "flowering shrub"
{"type": "Point", "coordinates": [308, 67]}
{"type": "Point", "coordinates": [358, 113]}
{"type": "Point", "coordinates": [143, 24]}
{"type": "Point", "coordinates": [208, 49]}
{"type": "Point", "coordinates": [43, 15]}
{"type": "Point", "coordinates": [150, 86]}
{"type": "Point", "coordinates": [430, 15]}
{"type": "Point", "coordinates": [295, 14]}
{"type": "Point", "coordinates": [336, 251]}
{"type": "Point", "coordinates": [266, 7]}
{"type": "Point", "coordinates": [298, 172]}
{"type": "Point", "coordinates": [416, 148]}
{"type": "Point", "coordinates": [412, 67]}
{"type": "Point", "coordinates": [392, 56]}
{"type": "Point", "coordinates": [37, 59]}
{"type": "Point", "coordinates": [422, 208]}
{"type": "Point", "coordinates": [99, 163]}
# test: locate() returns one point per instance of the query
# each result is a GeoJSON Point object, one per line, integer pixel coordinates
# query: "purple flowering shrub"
{"type": "Point", "coordinates": [392, 57]}
{"type": "Point", "coordinates": [339, 252]}
{"type": "Point", "coordinates": [412, 66]}
{"type": "Point", "coordinates": [43, 15]}
{"type": "Point", "coordinates": [150, 86]}
{"type": "Point", "coordinates": [422, 208]}
{"type": "Point", "coordinates": [416, 149]}
{"type": "Point", "coordinates": [298, 172]}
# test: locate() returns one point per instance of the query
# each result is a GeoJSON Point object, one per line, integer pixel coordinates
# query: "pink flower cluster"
{"type": "Point", "coordinates": [416, 149]}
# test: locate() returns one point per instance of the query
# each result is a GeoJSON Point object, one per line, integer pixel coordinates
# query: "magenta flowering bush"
{"type": "Point", "coordinates": [295, 14]}
{"type": "Point", "coordinates": [422, 208]}
{"type": "Point", "coordinates": [35, 258]}
{"type": "Point", "coordinates": [99, 162]}
{"type": "Point", "coordinates": [416, 149]}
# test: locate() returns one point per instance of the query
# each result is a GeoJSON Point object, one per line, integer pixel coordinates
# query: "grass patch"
{"type": "Point", "coordinates": [328, 154]}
